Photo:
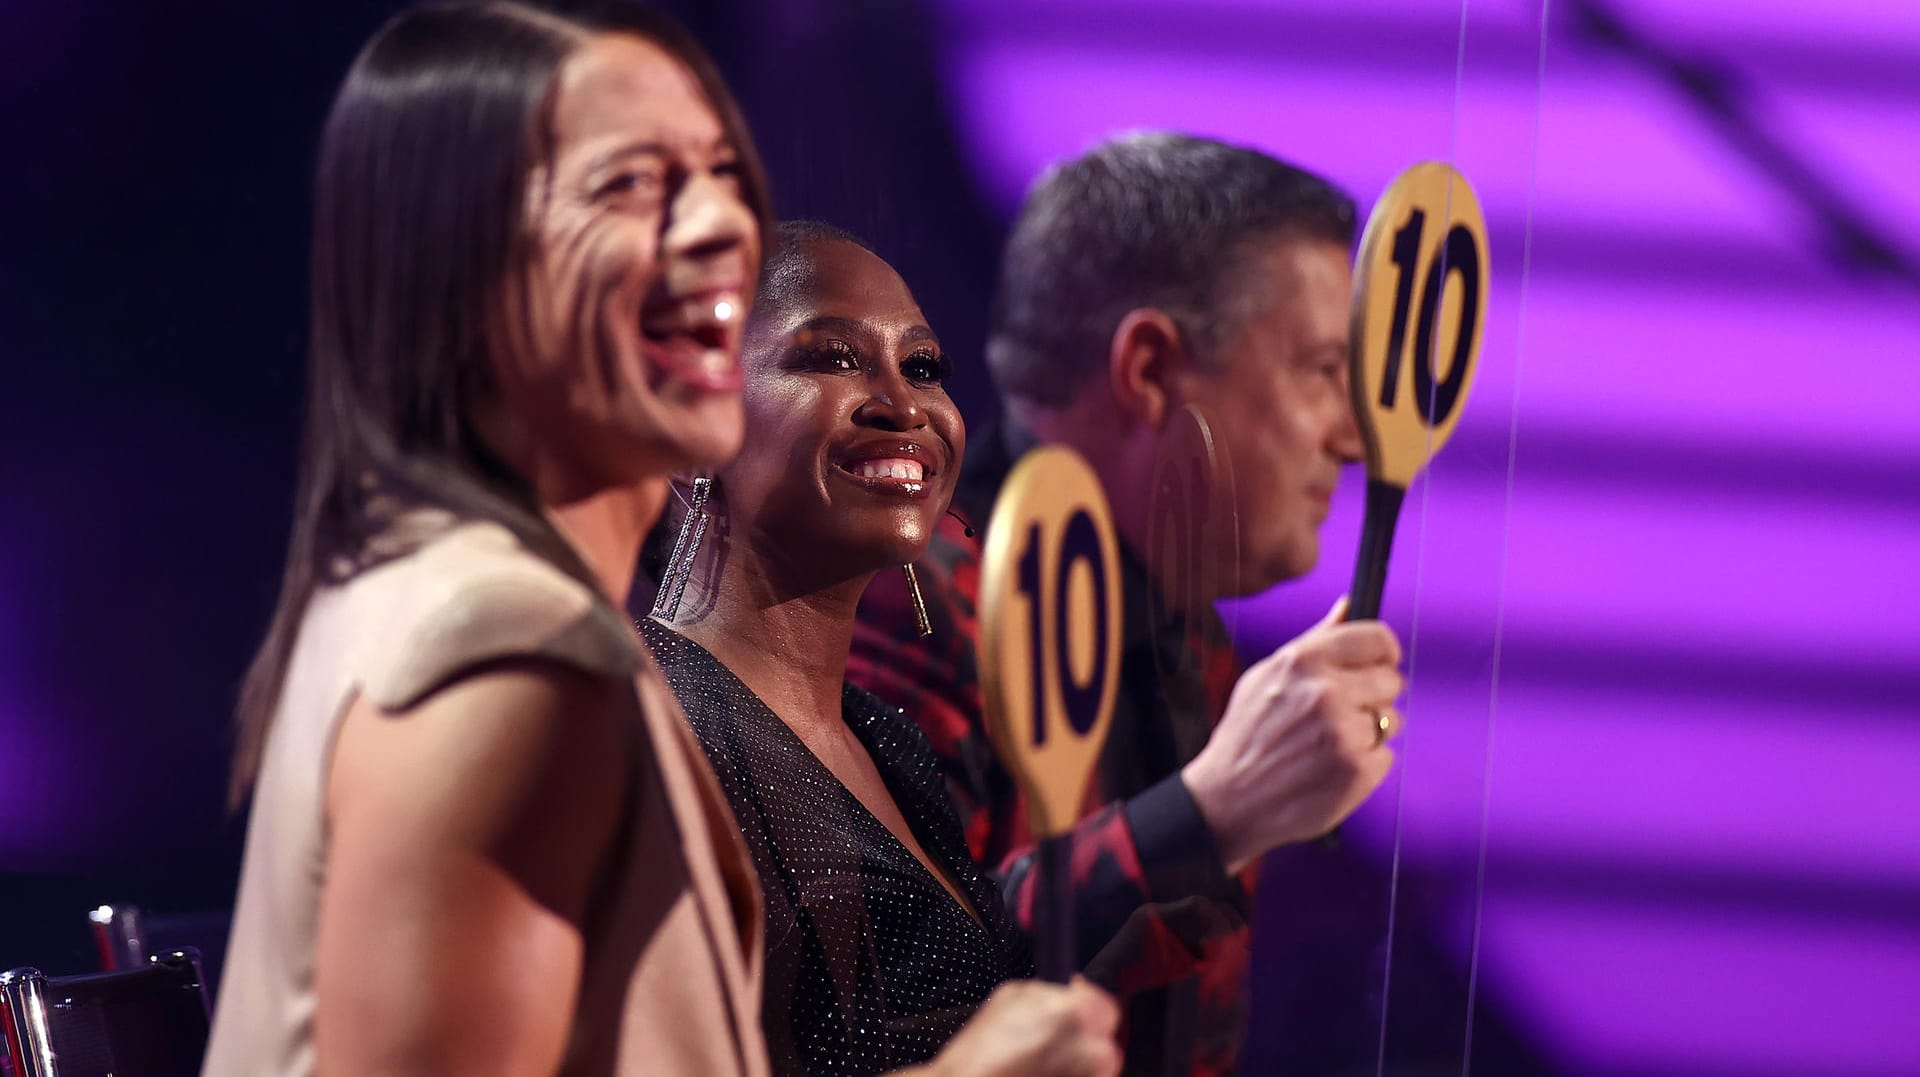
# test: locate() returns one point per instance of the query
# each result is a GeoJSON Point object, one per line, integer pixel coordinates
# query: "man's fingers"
{"type": "Point", "coordinates": [1369, 686]}
{"type": "Point", "coordinates": [1379, 764]}
{"type": "Point", "coordinates": [1358, 643]}
{"type": "Point", "coordinates": [1387, 723]}
{"type": "Point", "coordinates": [1360, 729]}
{"type": "Point", "coordinates": [1335, 615]}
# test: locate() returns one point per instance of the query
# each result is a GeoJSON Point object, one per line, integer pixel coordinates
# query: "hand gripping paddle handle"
{"type": "Point", "coordinates": [1370, 570]}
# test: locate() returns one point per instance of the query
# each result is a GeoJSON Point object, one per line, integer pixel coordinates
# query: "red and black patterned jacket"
{"type": "Point", "coordinates": [1157, 918]}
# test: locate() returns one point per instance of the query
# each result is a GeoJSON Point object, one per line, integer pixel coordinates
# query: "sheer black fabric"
{"type": "Point", "coordinates": [871, 964]}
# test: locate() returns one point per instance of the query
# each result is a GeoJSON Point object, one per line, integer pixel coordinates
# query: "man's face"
{"type": "Point", "coordinates": [1276, 397]}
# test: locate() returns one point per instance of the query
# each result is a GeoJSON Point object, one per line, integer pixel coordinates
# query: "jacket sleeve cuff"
{"type": "Point", "coordinates": [1176, 849]}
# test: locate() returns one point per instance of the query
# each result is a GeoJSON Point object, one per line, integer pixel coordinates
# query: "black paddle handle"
{"type": "Point", "coordinates": [1376, 543]}
{"type": "Point", "coordinates": [1053, 910]}
{"type": "Point", "coordinates": [1370, 570]}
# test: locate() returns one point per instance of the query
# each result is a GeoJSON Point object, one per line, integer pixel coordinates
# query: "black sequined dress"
{"type": "Point", "coordinates": [871, 964]}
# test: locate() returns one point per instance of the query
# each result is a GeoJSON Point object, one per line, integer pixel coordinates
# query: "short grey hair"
{"type": "Point", "coordinates": [1153, 219]}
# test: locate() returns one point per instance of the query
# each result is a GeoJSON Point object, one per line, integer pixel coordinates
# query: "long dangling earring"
{"type": "Point", "coordinates": [673, 582]}
{"type": "Point", "coordinates": [920, 619]}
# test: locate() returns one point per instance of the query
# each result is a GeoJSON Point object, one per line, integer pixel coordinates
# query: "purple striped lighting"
{"type": "Point", "coordinates": [1695, 761]}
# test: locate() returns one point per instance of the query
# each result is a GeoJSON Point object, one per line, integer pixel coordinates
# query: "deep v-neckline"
{"type": "Point", "coordinates": [969, 907]}
{"type": "Point", "coordinates": [954, 888]}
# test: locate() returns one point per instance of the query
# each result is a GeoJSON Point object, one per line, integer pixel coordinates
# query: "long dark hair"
{"type": "Point", "coordinates": [419, 227]}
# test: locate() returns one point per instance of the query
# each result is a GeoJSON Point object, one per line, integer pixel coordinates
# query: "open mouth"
{"type": "Point", "coordinates": [908, 470]}
{"type": "Point", "coordinates": [696, 338]}
{"type": "Point", "coordinates": [899, 476]}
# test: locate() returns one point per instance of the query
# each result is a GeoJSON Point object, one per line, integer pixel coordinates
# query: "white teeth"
{"type": "Point", "coordinates": [708, 311]}
{"type": "Point", "coordinates": [693, 315]}
{"type": "Point", "coordinates": [910, 470]}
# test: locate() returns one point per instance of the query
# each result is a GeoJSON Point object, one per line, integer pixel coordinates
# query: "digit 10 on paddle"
{"type": "Point", "coordinates": [1050, 623]}
{"type": "Point", "coordinates": [1459, 254]}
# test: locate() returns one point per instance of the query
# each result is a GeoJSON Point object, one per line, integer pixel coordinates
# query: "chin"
{"type": "Point", "coordinates": [904, 549]}
{"type": "Point", "coordinates": [1287, 563]}
{"type": "Point", "coordinates": [894, 542]}
{"type": "Point", "coordinates": [1298, 563]}
{"type": "Point", "coordinates": [705, 437]}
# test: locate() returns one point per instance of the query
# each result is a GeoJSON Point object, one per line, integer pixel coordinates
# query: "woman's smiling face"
{"type": "Point", "coordinates": [852, 446]}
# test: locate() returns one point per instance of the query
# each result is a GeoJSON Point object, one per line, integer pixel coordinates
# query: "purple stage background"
{"type": "Point", "coordinates": [1657, 794]}
{"type": "Point", "coordinates": [1660, 591]}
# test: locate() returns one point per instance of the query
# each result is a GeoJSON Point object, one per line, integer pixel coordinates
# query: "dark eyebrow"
{"type": "Point", "coordinates": [852, 327]}
{"type": "Point", "coordinates": [829, 324]}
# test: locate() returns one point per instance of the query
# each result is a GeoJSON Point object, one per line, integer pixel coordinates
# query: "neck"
{"type": "Point", "coordinates": [784, 632]}
{"type": "Point", "coordinates": [605, 525]}
{"type": "Point", "coordinates": [607, 528]}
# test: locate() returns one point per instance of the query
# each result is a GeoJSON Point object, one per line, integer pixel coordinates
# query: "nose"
{"type": "Point", "coordinates": [708, 220]}
{"type": "Point", "coordinates": [891, 403]}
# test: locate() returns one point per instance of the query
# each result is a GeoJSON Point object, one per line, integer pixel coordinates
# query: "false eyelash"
{"type": "Point", "coordinates": [834, 350]}
{"type": "Point", "coordinates": [831, 348]}
{"type": "Point", "coordinates": [942, 366]}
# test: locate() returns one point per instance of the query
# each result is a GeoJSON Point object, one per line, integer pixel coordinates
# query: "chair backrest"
{"type": "Point", "coordinates": [125, 934]}
{"type": "Point", "coordinates": [143, 1022]}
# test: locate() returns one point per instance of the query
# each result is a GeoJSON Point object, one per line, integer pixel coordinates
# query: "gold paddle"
{"type": "Point", "coordinates": [1050, 624]}
{"type": "Point", "coordinates": [1419, 312]}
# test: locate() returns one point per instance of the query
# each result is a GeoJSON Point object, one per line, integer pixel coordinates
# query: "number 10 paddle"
{"type": "Point", "coordinates": [1050, 622]}
{"type": "Point", "coordinates": [1419, 308]}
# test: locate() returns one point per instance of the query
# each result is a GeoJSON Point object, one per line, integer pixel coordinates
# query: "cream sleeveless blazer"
{"type": "Point", "coordinates": [672, 977]}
